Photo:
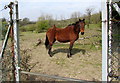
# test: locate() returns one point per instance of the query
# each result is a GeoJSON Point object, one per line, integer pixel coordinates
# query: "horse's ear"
{"type": "Point", "coordinates": [79, 19]}
{"type": "Point", "coordinates": [54, 26]}
{"type": "Point", "coordinates": [83, 19]}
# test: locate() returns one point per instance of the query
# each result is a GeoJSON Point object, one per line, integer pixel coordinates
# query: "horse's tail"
{"type": "Point", "coordinates": [47, 43]}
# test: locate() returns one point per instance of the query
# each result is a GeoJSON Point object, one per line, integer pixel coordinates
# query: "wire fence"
{"type": "Point", "coordinates": [114, 44]}
{"type": "Point", "coordinates": [115, 48]}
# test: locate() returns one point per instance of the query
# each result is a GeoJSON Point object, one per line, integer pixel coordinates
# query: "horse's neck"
{"type": "Point", "coordinates": [76, 29]}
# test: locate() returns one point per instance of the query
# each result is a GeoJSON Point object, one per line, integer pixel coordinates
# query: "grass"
{"type": "Point", "coordinates": [59, 61]}
{"type": "Point", "coordinates": [89, 47]}
{"type": "Point", "coordinates": [92, 26]}
{"type": "Point", "coordinates": [93, 63]}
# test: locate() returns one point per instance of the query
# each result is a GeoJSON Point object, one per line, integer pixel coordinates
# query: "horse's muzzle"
{"type": "Point", "coordinates": [82, 33]}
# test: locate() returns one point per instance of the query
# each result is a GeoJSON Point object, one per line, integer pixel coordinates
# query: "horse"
{"type": "Point", "coordinates": [67, 34]}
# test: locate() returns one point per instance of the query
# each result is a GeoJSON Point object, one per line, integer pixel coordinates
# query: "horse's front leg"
{"type": "Point", "coordinates": [50, 47]}
{"type": "Point", "coordinates": [49, 51]}
{"type": "Point", "coordinates": [70, 49]}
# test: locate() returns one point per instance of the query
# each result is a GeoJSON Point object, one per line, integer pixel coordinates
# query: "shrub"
{"type": "Point", "coordinates": [42, 25]}
{"type": "Point", "coordinates": [30, 27]}
{"type": "Point", "coordinates": [3, 29]}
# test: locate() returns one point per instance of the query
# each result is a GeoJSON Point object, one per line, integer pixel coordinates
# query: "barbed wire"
{"type": "Point", "coordinates": [5, 7]}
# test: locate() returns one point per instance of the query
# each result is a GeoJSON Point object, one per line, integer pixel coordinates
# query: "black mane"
{"type": "Point", "coordinates": [77, 22]}
{"type": "Point", "coordinates": [73, 23]}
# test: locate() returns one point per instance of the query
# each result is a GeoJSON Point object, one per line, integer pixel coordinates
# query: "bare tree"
{"type": "Point", "coordinates": [89, 12]}
{"type": "Point", "coordinates": [45, 17]}
{"type": "Point", "coordinates": [75, 15]}
{"type": "Point", "coordinates": [62, 17]}
{"type": "Point", "coordinates": [48, 17]}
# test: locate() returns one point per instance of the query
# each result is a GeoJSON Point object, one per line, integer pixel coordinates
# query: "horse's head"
{"type": "Point", "coordinates": [81, 24]}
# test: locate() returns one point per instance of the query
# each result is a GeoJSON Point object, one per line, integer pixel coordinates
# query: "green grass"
{"type": "Point", "coordinates": [33, 35]}
{"type": "Point", "coordinates": [90, 47]}
{"type": "Point", "coordinates": [91, 26]}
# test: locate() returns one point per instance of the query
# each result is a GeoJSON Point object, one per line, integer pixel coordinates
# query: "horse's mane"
{"type": "Point", "coordinates": [73, 23]}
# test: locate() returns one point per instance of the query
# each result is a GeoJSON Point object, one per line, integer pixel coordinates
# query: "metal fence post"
{"type": "Point", "coordinates": [104, 40]}
{"type": "Point", "coordinates": [16, 44]}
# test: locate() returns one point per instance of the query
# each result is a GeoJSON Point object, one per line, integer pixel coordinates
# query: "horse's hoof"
{"type": "Point", "coordinates": [50, 55]}
{"type": "Point", "coordinates": [68, 55]}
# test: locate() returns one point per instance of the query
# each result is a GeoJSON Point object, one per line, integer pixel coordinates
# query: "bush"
{"type": "Point", "coordinates": [38, 27]}
{"type": "Point", "coordinates": [42, 25]}
{"type": "Point", "coordinates": [30, 27]}
{"type": "Point", "coordinates": [3, 29]}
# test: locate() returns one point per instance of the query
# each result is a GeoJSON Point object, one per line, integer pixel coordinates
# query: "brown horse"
{"type": "Point", "coordinates": [68, 34]}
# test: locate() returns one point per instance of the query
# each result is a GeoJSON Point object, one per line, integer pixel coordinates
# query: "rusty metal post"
{"type": "Point", "coordinates": [10, 6]}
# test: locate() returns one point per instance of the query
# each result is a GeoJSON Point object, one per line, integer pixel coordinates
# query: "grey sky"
{"type": "Point", "coordinates": [57, 8]}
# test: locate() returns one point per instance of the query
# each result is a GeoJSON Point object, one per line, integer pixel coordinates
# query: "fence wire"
{"type": "Point", "coordinates": [6, 61]}
{"type": "Point", "coordinates": [113, 56]}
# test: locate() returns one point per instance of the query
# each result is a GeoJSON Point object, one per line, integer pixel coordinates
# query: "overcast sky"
{"type": "Point", "coordinates": [32, 9]}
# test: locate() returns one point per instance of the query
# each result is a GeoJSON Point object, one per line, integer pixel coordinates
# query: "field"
{"type": "Point", "coordinates": [85, 63]}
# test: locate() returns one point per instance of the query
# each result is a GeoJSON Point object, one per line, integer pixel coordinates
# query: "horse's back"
{"type": "Point", "coordinates": [61, 34]}
{"type": "Point", "coordinates": [66, 34]}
